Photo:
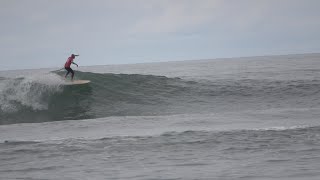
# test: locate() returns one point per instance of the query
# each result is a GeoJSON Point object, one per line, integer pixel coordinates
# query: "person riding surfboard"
{"type": "Point", "coordinates": [68, 64]}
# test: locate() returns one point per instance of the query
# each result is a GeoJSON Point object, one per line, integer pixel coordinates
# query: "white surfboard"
{"type": "Point", "coordinates": [75, 82]}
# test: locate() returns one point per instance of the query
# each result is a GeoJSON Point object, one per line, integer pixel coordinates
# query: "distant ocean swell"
{"type": "Point", "coordinates": [41, 98]}
{"type": "Point", "coordinates": [276, 138]}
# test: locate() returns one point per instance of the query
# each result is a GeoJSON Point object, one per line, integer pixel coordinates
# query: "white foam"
{"type": "Point", "coordinates": [28, 91]}
{"type": "Point", "coordinates": [282, 128]}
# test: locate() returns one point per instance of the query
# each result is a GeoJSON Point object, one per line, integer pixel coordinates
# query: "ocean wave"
{"type": "Point", "coordinates": [190, 136]}
{"type": "Point", "coordinates": [43, 97]}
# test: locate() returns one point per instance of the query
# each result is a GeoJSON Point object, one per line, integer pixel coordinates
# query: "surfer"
{"type": "Point", "coordinates": [68, 64]}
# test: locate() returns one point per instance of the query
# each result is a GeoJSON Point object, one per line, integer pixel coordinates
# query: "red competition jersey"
{"type": "Point", "coordinates": [69, 61]}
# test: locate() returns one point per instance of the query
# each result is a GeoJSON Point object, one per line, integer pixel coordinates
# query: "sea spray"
{"type": "Point", "coordinates": [30, 91]}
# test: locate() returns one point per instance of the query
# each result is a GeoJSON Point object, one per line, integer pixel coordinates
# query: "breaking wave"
{"type": "Point", "coordinates": [44, 97]}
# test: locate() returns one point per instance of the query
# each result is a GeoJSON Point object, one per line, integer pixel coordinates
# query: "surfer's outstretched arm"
{"type": "Point", "coordinates": [75, 63]}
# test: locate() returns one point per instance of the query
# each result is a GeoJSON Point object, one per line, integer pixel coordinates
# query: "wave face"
{"type": "Point", "coordinates": [44, 97]}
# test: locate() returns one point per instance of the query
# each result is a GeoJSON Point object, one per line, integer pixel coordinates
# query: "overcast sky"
{"type": "Point", "coordinates": [43, 33]}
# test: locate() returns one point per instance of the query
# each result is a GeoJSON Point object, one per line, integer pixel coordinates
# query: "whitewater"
{"type": "Point", "coordinates": [232, 118]}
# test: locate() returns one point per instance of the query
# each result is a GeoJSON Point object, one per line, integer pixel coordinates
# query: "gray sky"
{"type": "Point", "coordinates": [43, 33]}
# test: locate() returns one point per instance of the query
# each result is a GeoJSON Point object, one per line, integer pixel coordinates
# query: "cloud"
{"type": "Point", "coordinates": [174, 16]}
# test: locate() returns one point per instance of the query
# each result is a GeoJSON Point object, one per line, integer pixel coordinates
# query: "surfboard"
{"type": "Point", "coordinates": [77, 82]}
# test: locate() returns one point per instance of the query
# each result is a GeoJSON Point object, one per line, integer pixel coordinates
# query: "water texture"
{"type": "Point", "coordinates": [238, 118]}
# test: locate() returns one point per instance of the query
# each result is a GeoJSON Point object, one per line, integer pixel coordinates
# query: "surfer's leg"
{"type": "Point", "coordinates": [68, 71]}
{"type": "Point", "coordinates": [71, 73]}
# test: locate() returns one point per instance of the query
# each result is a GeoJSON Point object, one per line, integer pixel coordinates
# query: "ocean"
{"type": "Point", "coordinates": [219, 119]}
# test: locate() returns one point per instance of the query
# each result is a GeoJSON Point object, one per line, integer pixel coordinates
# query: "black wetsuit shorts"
{"type": "Point", "coordinates": [69, 70]}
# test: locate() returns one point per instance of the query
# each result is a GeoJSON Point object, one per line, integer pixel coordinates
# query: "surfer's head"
{"type": "Point", "coordinates": [73, 56]}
